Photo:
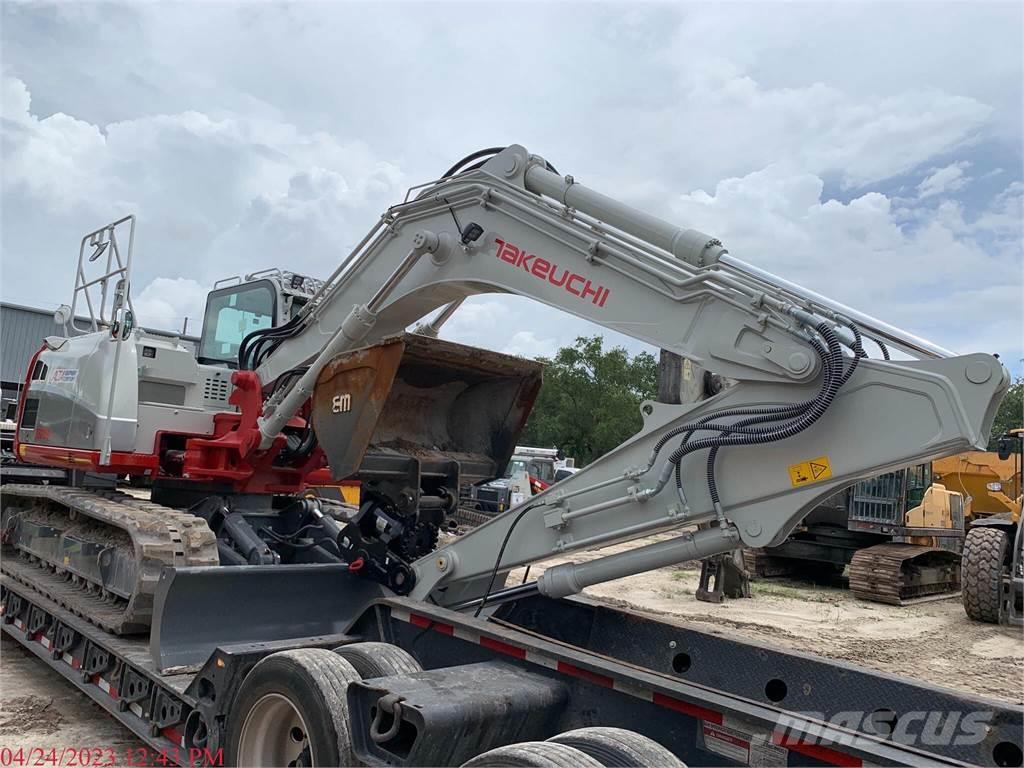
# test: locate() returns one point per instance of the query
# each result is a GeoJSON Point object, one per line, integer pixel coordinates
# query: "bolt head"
{"type": "Point", "coordinates": [754, 528]}
{"type": "Point", "coordinates": [799, 362]}
{"type": "Point", "coordinates": [978, 372]}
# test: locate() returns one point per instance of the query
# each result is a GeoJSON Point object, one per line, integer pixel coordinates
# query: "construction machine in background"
{"type": "Point", "coordinates": [529, 471]}
{"type": "Point", "coordinates": [900, 534]}
{"type": "Point", "coordinates": [202, 618]}
{"type": "Point", "coordinates": [988, 482]}
{"type": "Point", "coordinates": [993, 561]}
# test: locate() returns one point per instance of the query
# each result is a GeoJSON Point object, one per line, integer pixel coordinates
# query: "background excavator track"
{"type": "Point", "coordinates": [98, 553]}
{"type": "Point", "coordinates": [899, 574]}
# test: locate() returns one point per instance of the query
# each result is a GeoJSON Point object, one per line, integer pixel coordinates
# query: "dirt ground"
{"type": "Point", "coordinates": [40, 710]}
{"type": "Point", "coordinates": [931, 641]}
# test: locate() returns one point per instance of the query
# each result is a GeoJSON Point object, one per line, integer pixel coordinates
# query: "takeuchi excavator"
{"type": "Point", "coordinates": [231, 437]}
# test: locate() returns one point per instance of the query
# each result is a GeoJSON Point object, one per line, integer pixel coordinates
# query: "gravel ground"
{"type": "Point", "coordinates": [931, 641]}
{"type": "Point", "coordinates": [40, 710]}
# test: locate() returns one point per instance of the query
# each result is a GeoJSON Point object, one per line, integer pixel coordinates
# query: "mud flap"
{"type": "Point", "coordinates": [198, 609]}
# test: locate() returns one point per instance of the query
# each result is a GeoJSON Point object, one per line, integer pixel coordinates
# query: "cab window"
{"type": "Point", "coordinates": [918, 480]}
{"type": "Point", "coordinates": [231, 315]}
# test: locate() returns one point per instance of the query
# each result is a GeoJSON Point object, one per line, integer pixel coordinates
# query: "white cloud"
{"type": "Point", "coordinates": [165, 303]}
{"type": "Point", "coordinates": [238, 154]}
{"type": "Point", "coordinates": [955, 281]}
{"type": "Point", "coordinates": [528, 344]}
{"type": "Point", "coordinates": [944, 180]}
{"type": "Point", "coordinates": [214, 196]}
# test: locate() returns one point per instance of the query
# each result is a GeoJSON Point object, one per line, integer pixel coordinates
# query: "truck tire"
{"type": "Point", "coordinates": [618, 748]}
{"type": "Point", "coordinates": [290, 703]}
{"type": "Point", "coordinates": [982, 572]}
{"type": "Point", "coordinates": [378, 659]}
{"type": "Point", "coordinates": [533, 754]}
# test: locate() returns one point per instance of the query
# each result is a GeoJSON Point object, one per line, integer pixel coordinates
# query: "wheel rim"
{"type": "Point", "coordinates": [274, 734]}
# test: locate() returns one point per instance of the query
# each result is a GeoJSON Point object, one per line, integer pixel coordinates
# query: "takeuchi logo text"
{"type": "Point", "coordinates": [542, 269]}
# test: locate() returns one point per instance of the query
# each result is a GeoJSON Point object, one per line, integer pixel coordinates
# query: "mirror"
{"type": "Point", "coordinates": [1004, 448]}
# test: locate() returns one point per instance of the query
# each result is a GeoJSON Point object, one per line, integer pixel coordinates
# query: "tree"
{"type": "Point", "coordinates": [1010, 414]}
{"type": "Point", "coordinates": [590, 400]}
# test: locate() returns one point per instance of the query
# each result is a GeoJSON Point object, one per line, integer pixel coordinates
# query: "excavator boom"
{"type": "Point", "coordinates": [749, 462]}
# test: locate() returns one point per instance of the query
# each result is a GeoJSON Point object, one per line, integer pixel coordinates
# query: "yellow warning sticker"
{"type": "Point", "coordinates": [807, 472]}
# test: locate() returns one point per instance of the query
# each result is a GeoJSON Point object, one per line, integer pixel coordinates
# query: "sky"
{"type": "Point", "coordinates": [870, 151]}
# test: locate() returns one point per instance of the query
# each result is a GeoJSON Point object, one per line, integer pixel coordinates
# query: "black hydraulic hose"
{"type": "Point", "coordinates": [706, 422]}
{"type": "Point", "coordinates": [482, 156]}
{"type": "Point", "coordinates": [777, 413]}
{"type": "Point", "coordinates": [480, 153]}
{"type": "Point", "coordinates": [501, 554]}
{"type": "Point", "coordinates": [251, 346]}
{"type": "Point", "coordinates": [754, 435]}
{"type": "Point", "coordinates": [859, 352]}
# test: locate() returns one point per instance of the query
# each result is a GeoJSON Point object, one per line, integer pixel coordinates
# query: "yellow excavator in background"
{"type": "Point", "coordinates": [900, 533]}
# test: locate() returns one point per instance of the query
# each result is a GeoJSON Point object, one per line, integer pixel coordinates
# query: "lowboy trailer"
{"type": "Point", "coordinates": [539, 667]}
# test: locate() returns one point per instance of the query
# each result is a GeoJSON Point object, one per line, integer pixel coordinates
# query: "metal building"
{"type": "Point", "coordinates": [22, 330]}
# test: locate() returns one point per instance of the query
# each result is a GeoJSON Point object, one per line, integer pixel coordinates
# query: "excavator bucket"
{"type": "Point", "coordinates": [422, 413]}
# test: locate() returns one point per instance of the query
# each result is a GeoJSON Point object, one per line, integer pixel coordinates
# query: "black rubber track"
{"type": "Point", "coordinates": [982, 572]}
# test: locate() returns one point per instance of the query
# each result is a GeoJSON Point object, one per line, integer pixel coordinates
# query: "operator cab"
{"type": "Point", "coordinates": [237, 306]}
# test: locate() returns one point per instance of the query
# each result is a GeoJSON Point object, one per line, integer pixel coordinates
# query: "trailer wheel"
{"type": "Point", "coordinates": [533, 754]}
{"type": "Point", "coordinates": [378, 659]}
{"type": "Point", "coordinates": [982, 572]}
{"type": "Point", "coordinates": [618, 748]}
{"type": "Point", "coordinates": [292, 710]}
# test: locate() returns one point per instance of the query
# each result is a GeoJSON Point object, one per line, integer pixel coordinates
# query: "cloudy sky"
{"type": "Point", "coordinates": [870, 151]}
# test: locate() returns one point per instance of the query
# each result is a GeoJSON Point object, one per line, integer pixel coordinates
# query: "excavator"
{"type": "Point", "coordinates": [900, 533]}
{"type": "Point", "coordinates": [229, 550]}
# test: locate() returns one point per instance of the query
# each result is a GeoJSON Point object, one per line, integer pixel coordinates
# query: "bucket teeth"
{"type": "Point", "coordinates": [98, 553]}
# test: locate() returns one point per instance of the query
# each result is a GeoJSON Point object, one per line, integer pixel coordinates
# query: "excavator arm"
{"type": "Point", "coordinates": [811, 413]}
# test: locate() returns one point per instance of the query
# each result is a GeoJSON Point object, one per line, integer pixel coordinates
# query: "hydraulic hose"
{"type": "Point", "coordinates": [751, 434]}
{"type": "Point", "coordinates": [713, 453]}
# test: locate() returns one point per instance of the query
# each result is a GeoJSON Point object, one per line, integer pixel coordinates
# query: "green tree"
{"type": "Point", "coordinates": [590, 400]}
{"type": "Point", "coordinates": [1010, 414]}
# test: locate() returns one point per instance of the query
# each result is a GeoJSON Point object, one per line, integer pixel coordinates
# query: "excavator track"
{"type": "Point", "coordinates": [899, 574]}
{"type": "Point", "coordinates": [761, 565]}
{"type": "Point", "coordinates": [98, 553]}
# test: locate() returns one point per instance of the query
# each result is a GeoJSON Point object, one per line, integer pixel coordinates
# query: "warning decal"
{"type": "Point", "coordinates": [812, 471]}
{"type": "Point", "coordinates": [741, 746]}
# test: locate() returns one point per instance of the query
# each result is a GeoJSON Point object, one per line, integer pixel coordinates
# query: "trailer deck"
{"type": "Point", "coordinates": [710, 700]}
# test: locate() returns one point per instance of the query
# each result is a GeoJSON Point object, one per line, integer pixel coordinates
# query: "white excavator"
{"type": "Point", "coordinates": [290, 374]}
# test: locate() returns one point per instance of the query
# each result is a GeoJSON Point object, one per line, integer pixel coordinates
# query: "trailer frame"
{"type": "Point", "coordinates": [692, 691]}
